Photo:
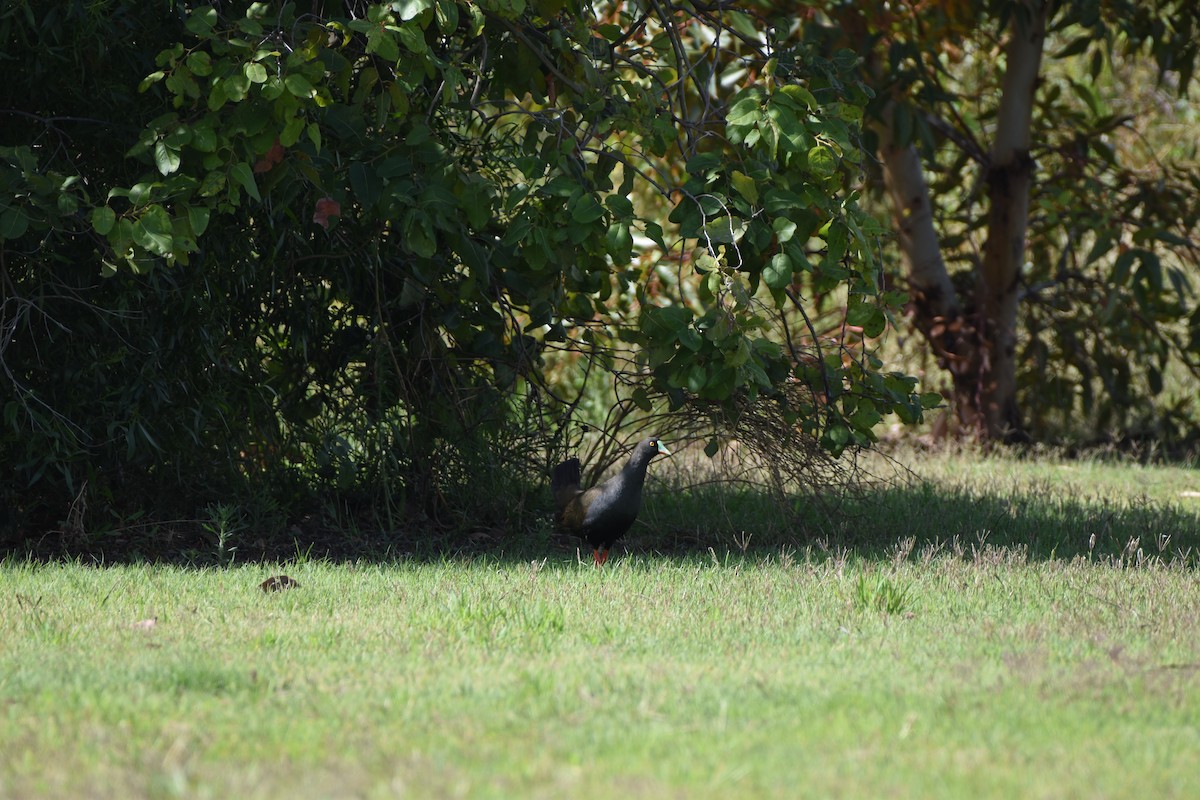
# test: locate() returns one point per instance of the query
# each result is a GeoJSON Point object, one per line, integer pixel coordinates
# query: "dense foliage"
{"type": "Point", "coordinates": [1052, 258]}
{"type": "Point", "coordinates": [318, 258]}
{"type": "Point", "coordinates": [291, 249]}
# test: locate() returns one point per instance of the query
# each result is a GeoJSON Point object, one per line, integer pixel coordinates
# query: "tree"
{"type": "Point", "coordinates": [352, 237]}
{"type": "Point", "coordinates": [1048, 273]}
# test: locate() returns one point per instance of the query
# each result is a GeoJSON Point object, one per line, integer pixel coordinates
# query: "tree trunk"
{"type": "Point", "coordinates": [1009, 177]}
{"type": "Point", "coordinates": [934, 301]}
{"type": "Point", "coordinates": [977, 346]}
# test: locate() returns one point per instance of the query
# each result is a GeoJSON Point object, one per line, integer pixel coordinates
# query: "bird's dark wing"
{"type": "Point", "coordinates": [569, 510]}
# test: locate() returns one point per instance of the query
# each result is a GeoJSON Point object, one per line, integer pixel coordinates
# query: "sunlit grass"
{"type": "Point", "coordinates": [694, 677]}
{"type": "Point", "coordinates": [932, 651]}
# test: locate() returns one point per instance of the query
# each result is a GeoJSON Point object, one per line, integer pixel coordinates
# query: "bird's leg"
{"type": "Point", "coordinates": [601, 557]}
{"type": "Point", "coordinates": [596, 557]}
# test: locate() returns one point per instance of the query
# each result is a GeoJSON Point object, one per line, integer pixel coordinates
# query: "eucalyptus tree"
{"type": "Point", "coordinates": [1048, 252]}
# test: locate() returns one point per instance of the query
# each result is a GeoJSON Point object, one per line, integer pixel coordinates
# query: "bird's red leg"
{"type": "Point", "coordinates": [596, 557]}
{"type": "Point", "coordinates": [603, 558]}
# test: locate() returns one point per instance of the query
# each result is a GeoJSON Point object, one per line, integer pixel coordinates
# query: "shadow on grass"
{"type": "Point", "coordinates": [684, 524]}
{"type": "Point", "coordinates": [1042, 521]}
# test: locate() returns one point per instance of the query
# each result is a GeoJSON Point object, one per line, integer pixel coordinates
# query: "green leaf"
{"type": "Point", "coordinates": [447, 15]}
{"type": "Point", "coordinates": [654, 233]}
{"type": "Point", "coordinates": [1170, 237]}
{"type": "Point", "coordinates": [366, 184]}
{"type": "Point", "coordinates": [407, 9]}
{"type": "Point", "coordinates": [204, 136]}
{"type": "Point", "coordinates": [166, 158]}
{"type": "Point", "coordinates": [298, 85]}
{"type": "Point", "coordinates": [1074, 48]}
{"type": "Point", "coordinates": [746, 186]}
{"type": "Point", "coordinates": [704, 163]}
{"type": "Point", "coordinates": [857, 312]}
{"type": "Point", "coordinates": [67, 204]}
{"type": "Point", "coordinates": [712, 448]}
{"type": "Point", "coordinates": [1150, 270]}
{"type": "Point", "coordinates": [418, 234]}
{"type": "Point", "coordinates": [179, 138]}
{"type": "Point", "coordinates": [103, 219]}
{"type": "Point", "coordinates": [198, 218]}
{"type": "Point", "coordinates": [778, 272]}
{"type": "Point", "coordinates": [746, 110]}
{"type": "Point", "coordinates": [822, 161]}
{"type": "Point", "coordinates": [837, 437]}
{"type": "Point", "coordinates": [866, 416]}
{"type": "Point", "coordinates": [153, 231]}
{"type": "Point", "coordinates": [782, 202]}
{"type": "Point", "coordinates": [784, 229]}
{"type": "Point", "coordinates": [235, 87]}
{"type": "Point", "coordinates": [661, 321]}
{"type": "Point", "coordinates": [255, 72]}
{"type": "Point", "coordinates": [413, 38]}
{"type": "Point", "coordinates": [619, 243]}
{"type": "Point", "coordinates": [202, 21]}
{"type": "Point", "coordinates": [586, 209]}
{"type": "Point", "coordinates": [1179, 280]}
{"type": "Point", "coordinates": [137, 194]}
{"type": "Point", "coordinates": [931, 399]}
{"type": "Point", "coordinates": [1104, 242]}
{"type": "Point", "coordinates": [619, 205]}
{"type": "Point", "coordinates": [200, 63]}
{"type": "Point", "coordinates": [723, 230]}
{"type": "Point", "coordinates": [291, 132]}
{"type": "Point", "coordinates": [1122, 266]}
{"type": "Point", "coordinates": [244, 176]}
{"type": "Point", "coordinates": [697, 378]}
{"type": "Point", "coordinates": [799, 94]}
{"type": "Point", "coordinates": [866, 316]}
{"type": "Point", "coordinates": [213, 183]}
{"type": "Point", "coordinates": [1155, 380]}
{"type": "Point", "coordinates": [610, 32]}
{"type": "Point", "coordinates": [13, 223]}
{"type": "Point", "coordinates": [690, 339]}
{"type": "Point", "coordinates": [478, 205]}
{"type": "Point", "coordinates": [150, 80]}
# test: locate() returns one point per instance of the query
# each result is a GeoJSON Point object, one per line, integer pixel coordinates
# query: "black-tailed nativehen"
{"type": "Point", "coordinates": [602, 514]}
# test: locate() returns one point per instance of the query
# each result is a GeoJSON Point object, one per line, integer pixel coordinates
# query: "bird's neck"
{"type": "Point", "coordinates": [635, 470]}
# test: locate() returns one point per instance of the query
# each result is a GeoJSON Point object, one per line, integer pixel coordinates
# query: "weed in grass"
{"type": "Point", "coordinates": [880, 593]}
{"type": "Point", "coordinates": [36, 621]}
{"type": "Point", "coordinates": [222, 524]}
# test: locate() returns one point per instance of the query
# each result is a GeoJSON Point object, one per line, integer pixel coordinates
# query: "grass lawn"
{"type": "Point", "coordinates": [968, 641]}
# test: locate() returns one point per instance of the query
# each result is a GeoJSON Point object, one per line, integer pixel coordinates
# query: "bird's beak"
{"type": "Point", "coordinates": [662, 449]}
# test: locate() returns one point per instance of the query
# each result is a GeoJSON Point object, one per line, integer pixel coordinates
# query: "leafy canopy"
{"type": "Point", "coordinates": [504, 159]}
{"type": "Point", "coordinates": [333, 242]}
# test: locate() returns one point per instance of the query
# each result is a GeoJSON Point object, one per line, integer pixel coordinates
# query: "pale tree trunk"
{"type": "Point", "coordinates": [1009, 177]}
{"type": "Point", "coordinates": [977, 345]}
{"type": "Point", "coordinates": [934, 302]}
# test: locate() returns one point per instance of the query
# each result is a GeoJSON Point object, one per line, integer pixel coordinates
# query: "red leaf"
{"type": "Point", "coordinates": [326, 207]}
{"type": "Point", "coordinates": [270, 158]}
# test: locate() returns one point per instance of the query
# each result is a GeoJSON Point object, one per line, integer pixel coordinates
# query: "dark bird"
{"type": "Point", "coordinates": [601, 515]}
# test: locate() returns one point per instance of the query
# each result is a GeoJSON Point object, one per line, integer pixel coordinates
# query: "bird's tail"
{"type": "Point", "coordinates": [565, 475]}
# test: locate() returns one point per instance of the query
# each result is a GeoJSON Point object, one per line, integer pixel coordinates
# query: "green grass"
{"type": "Point", "coordinates": [935, 655]}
